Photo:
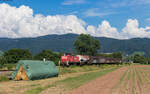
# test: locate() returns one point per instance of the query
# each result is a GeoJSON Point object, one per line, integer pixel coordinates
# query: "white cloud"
{"type": "Point", "coordinates": [71, 2]}
{"type": "Point", "coordinates": [91, 30]}
{"type": "Point", "coordinates": [93, 12]}
{"type": "Point", "coordinates": [105, 30]}
{"type": "Point", "coordinates": [20, 22]}
{"type": "Point", "coordinates": [132, 30]}
{"type": "Point", "coordinates": [124, 3]}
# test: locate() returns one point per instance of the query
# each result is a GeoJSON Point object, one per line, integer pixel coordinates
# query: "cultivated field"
{"type": "Point", "coordinates": [134, 79]}
{"type": "Point", "coordinates": [110, 79]}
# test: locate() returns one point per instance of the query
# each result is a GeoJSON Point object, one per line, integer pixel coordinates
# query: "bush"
{"type": "Point", "coordinates": [3, 78]}
{"type": "Point", "coordinates": [48, 55]}
{"type": "Point", "coordinates": [2, 61]}
{"type": "Point", "coordinates": [9, 67]}
{"type": "Point", "coordinates": [1, 65]}
{"type": "Point", "coordinates": [14, 55]}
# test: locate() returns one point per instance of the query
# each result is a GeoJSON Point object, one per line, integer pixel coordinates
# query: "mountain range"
{"type": "Point", "coordinates": [64, 43]}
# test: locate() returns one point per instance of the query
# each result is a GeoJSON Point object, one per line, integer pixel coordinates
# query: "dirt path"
{"type": "Point", "coordinates": [127, 80]}
{"type": "Point", "coordinates": [102, 85]}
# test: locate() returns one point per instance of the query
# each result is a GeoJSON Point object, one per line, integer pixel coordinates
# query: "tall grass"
{"type": "Point", "coordinates": [3, 78]}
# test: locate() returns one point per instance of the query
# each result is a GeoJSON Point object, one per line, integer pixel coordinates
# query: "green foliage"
{"type": "Point", "coordinates": [105, 55]}
{"type": "Point", "coordinates": [64, 43]}
{"type": "Point", "coordinates": [138, 53]}
{"type": "Point", "coordinates": [148, 60]}
{"type": "Point", "coordinates": [48, 55]}
{"type": "Point", "coordinates": [111, 55]}
{"type": "Point", "coordinates": [34, 91]}
{"type": "Point", "coordinates": [2, 61]}
{"type": "Point", "coordinates": [3, 78]}
{"type": "Point", "coordinates": [139, 59]}
{"type": "Point", "coordinates": [9, 66]}
{"type": "Point", "coordinates": [14, 55]}
{"type": "Point", "coordinates": [129, 58]}
{"type": "Point", "coordinates": [117, 55]}
{"type": "Point", "coordinates": [86, 45]}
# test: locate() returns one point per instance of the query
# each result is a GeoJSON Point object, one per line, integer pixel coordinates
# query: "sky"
{"type": "Point", "coordinates": [120, 19]}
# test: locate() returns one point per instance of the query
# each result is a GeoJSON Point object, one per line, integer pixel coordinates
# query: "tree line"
{"type": "Point", "coordinates": [138, 57]}
{"type": "Point", "coordinates": [12, 56]}
{"type": "Point", "coordinates": [84, 45]}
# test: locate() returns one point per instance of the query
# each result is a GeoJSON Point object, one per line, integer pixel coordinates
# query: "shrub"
{"type": "Point", "coordinates": [48, 55]}
{"type": "Point", "coordinates": [3, 78]}
{"type": "Point", "coordinates": [14, 55]}
{"type": "Point", "coordinates": [2, 61]}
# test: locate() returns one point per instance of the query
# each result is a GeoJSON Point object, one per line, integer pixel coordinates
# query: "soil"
{"type": "Point", "coordinates": [102, 85]}
{"type": "Point", "coordinates": [131, 83]}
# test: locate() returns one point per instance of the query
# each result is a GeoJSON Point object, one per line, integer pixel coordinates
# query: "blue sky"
{"type": "Point", "coordinates": [93, 12]}
{"type": "Point", "coordinates": [117, 13]}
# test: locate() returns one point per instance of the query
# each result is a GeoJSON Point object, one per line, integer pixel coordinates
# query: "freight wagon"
{"type": "Point", "coordinates": [69, 59]}
{"type": "Point", "coordinates": [104, 60]}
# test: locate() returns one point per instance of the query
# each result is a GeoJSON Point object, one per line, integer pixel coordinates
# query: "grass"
{"type": "Point", "coordinates": [85, 68]}
{"type": "Point", "coordinates": [3, 78]}
{"type": "Point", "coordinates": [35, 90]}
{"type": "Point", "coordinates": [38, 89]}
{"type": "Point", "coordinates": [73, 82]}
{"type": "Point", "coordinates": [8, 67]}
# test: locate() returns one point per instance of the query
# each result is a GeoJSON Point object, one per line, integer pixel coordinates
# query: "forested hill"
{"type": "Point", "coordinates": [64, 43]}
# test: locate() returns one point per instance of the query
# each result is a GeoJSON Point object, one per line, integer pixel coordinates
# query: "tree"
{"type": "Point", "coordinates": [117, 55]}
{"type": "Point", "coordinates": [48, 55]}
{"type": "Point", "coordinates": [148, 60]}
{"type": "Point", "coordinates": [139, 59]}
{"type": "Point", "coordinates": [2, 61]}
{"type": "Point", "coordinates": [14, 55]}
{"type": "Point", "coordinates": [86, 45]}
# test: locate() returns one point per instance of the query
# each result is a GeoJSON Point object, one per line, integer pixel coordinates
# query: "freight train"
{"type": "Point", "coordinates": [69, 59]}
{"type": "Point", "coordinates": [104, 60]}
